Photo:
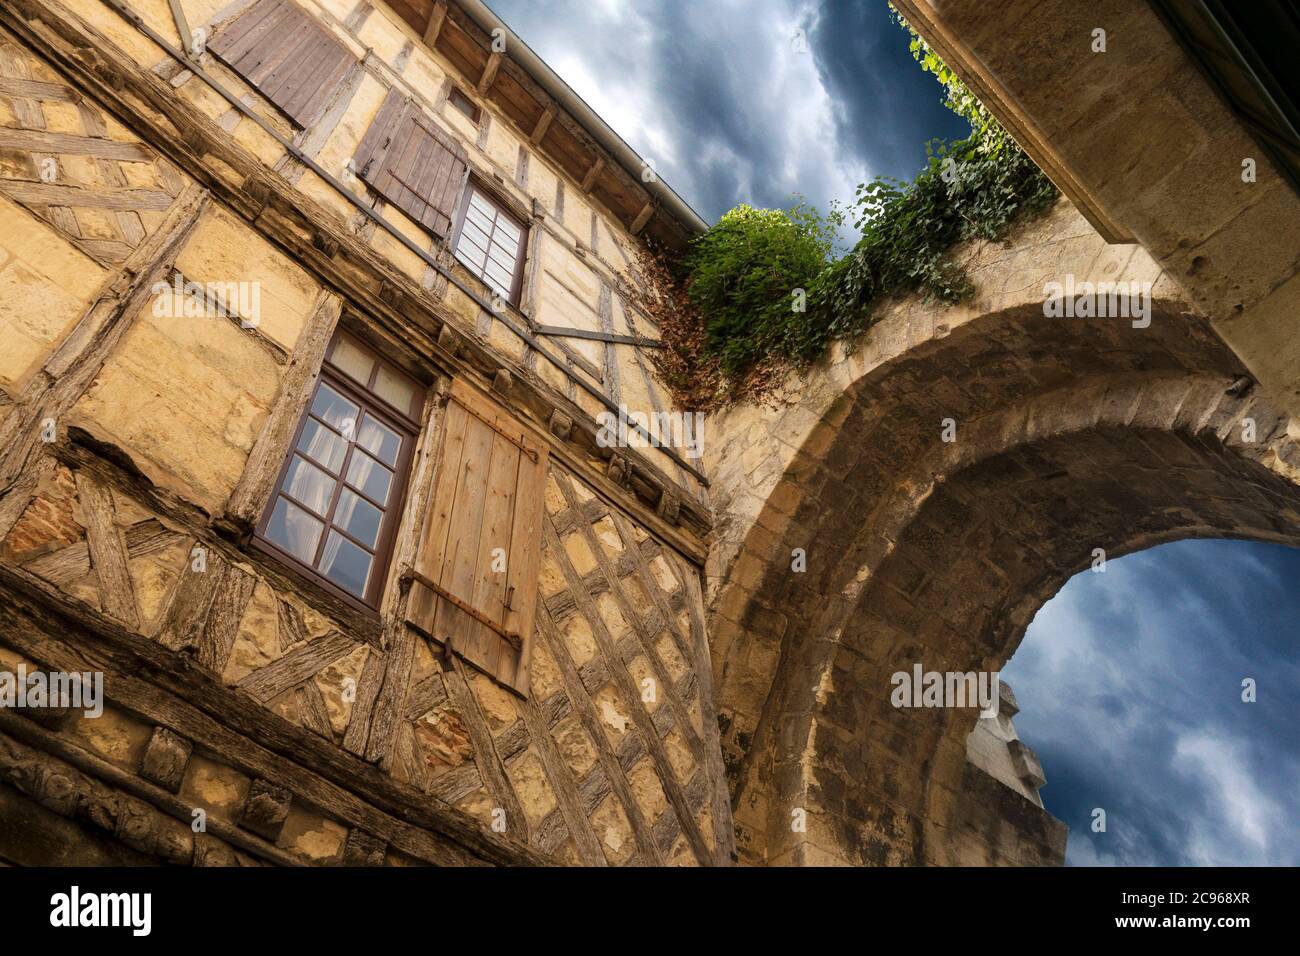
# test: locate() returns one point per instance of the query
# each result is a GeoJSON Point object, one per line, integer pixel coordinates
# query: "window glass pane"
{"type": "Point", "coordinates": [370, 476]}
{"type": "Point", "coordinates": [325, 446]}
{"type": "Point", "coordinates": [467, 259]}
{"type": "Point", "coordinates": [308, 484]}
{"type": "Point", "coordinates": [478, 201]}
{"type": "Point", "coordinates": [395, 389]}
{"type": "Point", "coordinates": [503, 256]}
{"type": "Point", "coordinates": [464, 104]}
{"type": "Point", "coordinates": [345, 564]}
{"type": "Point", "coordinates": [358, 517]}
{"type": "Point", "coordinates": [498, 277]}
{"type": "Point", "coordinates": [294, 530]}
{"type": "Point", "coordinates": [352, 359]}
{"type": "Point", "coordinates": [471, 256]}
{"type": "Point", "coordinates": [473, 234]}
{"type": "Point", "coordinates": [507, 231]}
{"type": "Point", "coordinates": [336, 410]}
{"type": "Point", "coordinates": [380, 440]}
{"type": "Point", "coordinates": [479, 219]}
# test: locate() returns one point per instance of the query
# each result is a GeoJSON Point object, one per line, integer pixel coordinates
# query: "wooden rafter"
{"type": "Point", "coordinates": [543, 124]}
{"type": "Point", "coordinates": [589, 180]}
{"type": "Point", "coordinates": [642, 218]}
{"type": "Point", "coordinates": [437, 16]}
{"type": "Point", "coordinates": [489, 72]}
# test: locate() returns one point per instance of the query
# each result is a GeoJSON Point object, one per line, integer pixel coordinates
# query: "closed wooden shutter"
{"type": "Point", "coordinates": [290, 58]}
{"type": "Point", "coordinates": [413, 164]}
{"type": "Point", "coordinates": [476, 571]}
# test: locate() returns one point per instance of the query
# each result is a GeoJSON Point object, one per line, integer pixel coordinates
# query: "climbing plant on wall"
{"type": "Point", "coordinates": [760, 293]}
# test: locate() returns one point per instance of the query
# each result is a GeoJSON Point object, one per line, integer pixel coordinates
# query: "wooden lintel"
{"type": "Point", "coordinates": [437, 17]}
{"type": "Point", "coordinates": [589, 180]}
{"type": "Point", "coordinates": [489, 72]}
{"type": "Point", "coordinates": [543, 124]}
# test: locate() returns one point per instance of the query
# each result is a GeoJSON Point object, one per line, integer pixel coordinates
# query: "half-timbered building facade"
{"type": "Point", "coordinates": [311, 310]}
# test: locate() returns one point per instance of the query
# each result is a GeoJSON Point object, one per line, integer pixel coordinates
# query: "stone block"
{"type": "Point", "coordinates": [165, 759]}
{"type": "Point", "coordinates": [266, 810]}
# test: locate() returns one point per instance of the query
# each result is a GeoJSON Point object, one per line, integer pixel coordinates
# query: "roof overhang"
{"type": "Point", "coordinates": [552, 117]}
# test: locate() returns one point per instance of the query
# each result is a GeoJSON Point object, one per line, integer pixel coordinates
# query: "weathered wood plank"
{"type": "Point", "coordinates": [525, 563]}
{"type": "Point", "coordinates": [488, 591]}
{"type": "Point", "coordinates": [387, 710]}
{"type": "Point", "coordinates": [187, 700]}
{"type": "Point", "coordinates": [181, 624]}
{"type": "Point", "coordinates": [437, 16]}
{"type": "Point", "coordinates": [296, 666]}
{"type": "Point", "coordinates": [460, 553]}
{"type": "Point", "coordinates": [249, 496]}
{"type": "Point", "coordinates": [453, 786]}
{"type": "Point", "coordinates": [311, 705]}
{"type": "Point", "coordinates": [489, 763]}
{"type": "Point", "coordinates": [107, 552]}
{"type": "Point", "coordinates": [223, 618]}
{"type": "Point", "coordinates": [567, 796]}
{"type": "Point", "coordinates": [724, 833]}
{"type": "Point", "coordinates": [55, 194]}
{"type": "Point", "coordinates": [37, 90]}
{"type": "Point", "coordinates": [70, 143]}
{"type": "Point", "coordinates": [372, 678]}
{"type": "Point", "coordinates": [425, 696]}
{"type": "Point", "coordinates": [433, 543]}
{"type": "Point", "coordinates": [15, 499]}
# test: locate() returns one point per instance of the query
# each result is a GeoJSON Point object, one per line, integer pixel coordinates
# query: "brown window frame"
{"type": "Point", "coordinates": [461, 102]}
{"type": "Point", "coordinates": [503, 209]}
{"type": "Point", "coordinates": [407, 425]}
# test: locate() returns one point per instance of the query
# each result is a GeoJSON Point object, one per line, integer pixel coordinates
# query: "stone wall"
{"type": "Point", "coordinates": [917, 499]}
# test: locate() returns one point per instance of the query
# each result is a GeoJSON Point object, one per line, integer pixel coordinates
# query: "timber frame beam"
{"type": "Point", "coordinates": [171, 690]}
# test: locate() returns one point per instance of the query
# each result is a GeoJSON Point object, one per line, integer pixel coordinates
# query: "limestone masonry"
{"type": "Point", "coordinates": [311, 312]}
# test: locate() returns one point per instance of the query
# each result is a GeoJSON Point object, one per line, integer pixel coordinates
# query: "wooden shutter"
{"type": "Point", "coordinates": [413, 164]}
{"type": "Point", "coordinates": [289, 57]}
{"type": "Point", "coordinates": [488, 495]}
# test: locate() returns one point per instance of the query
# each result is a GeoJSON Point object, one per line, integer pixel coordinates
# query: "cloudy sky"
{"type": "Point", "coordinates": [746, 100]}
{"type": "Point", "coordinates": [1130, 686]}
{"type": "Point", "coordinates": [1129, 681]}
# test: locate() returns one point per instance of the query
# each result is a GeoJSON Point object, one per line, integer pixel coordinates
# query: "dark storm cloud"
{"type": "Point", "coordinates": [886, 107]}
{"type": "Point", "coordinates": [1187, 772]}
{"type": "Point", "coordinates": [734, 104]}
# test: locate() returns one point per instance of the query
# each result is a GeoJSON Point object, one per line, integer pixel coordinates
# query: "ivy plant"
{"type": "Point", "coordinates": [760, 292]}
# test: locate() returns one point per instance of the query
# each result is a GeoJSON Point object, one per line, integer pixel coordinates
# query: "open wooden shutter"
{"type": "Point", "coordinates": [488, 496]}
{"type": "Point", "coordinates": [413, 164]}
{"type": "Point", "coordinates": [290, 58]}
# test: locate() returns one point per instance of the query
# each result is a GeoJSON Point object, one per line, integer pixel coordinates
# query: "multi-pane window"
{"type": "Point", "coordinates": [336, 506]}
{"type": "Point", "coordinates": [490, 243]}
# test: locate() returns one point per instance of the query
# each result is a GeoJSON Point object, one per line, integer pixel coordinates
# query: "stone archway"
{"type": "Point", "coordinates": [1071, 435]}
